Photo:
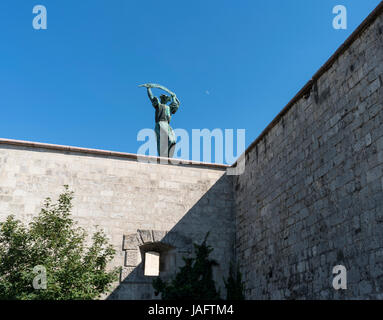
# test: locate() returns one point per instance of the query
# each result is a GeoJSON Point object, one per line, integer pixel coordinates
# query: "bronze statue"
{"type": "Point", "coordinates": [166, 139]}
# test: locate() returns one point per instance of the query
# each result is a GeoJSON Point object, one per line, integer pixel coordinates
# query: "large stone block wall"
{"type": "Point", "coordinates": [311, 196]}
{"type": "Point", "coordinates": [146, 202]}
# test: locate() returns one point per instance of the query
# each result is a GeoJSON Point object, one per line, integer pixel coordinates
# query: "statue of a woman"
{"type": "Point", "coordinates": [166, 140]}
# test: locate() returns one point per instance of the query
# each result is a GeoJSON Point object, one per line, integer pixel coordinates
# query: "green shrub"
{"type": "Point", "coordinates": [194, 281]}
{"type": "Point", "coordinates": [52, 240]}
{"type": "Point", "coordinates": [234, 285]}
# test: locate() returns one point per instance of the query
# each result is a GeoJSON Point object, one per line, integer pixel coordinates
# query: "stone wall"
{"type": "Point", "coordinates": [311, 196]}
{"type": "Point", "coordinates": [135, 203]}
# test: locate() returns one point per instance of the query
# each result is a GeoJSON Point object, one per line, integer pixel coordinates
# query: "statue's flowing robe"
{"type": "Point", "coordinates": [166, 138]}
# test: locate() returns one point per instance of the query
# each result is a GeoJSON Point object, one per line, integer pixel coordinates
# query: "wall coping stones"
{"type": "Point", "coordinates": [106, 153]}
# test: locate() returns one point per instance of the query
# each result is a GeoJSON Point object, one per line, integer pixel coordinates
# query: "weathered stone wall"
{"type": "Point", "coordinates": [311, 196]}
{"type": "Point", "coordinates": [173, 204]}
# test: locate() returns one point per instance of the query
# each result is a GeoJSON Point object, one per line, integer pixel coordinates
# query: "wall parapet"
{"type": "Point", "coordinates": [107, 153]}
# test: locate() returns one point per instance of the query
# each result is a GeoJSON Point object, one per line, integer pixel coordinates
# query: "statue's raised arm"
{"type": "Point", "coordinates": [175, 100]}
{"type": "Point", "coordinates": [150, 94]}
{"type": "Point", "coordinates": [154, 100]}
{"type": "Point", "coordinates": [174, 105]}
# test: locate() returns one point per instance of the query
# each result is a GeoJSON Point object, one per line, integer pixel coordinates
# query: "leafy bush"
{"type": "Point", "coordinates": [52, 240]}
{"type": "Point", "coordinates": [194, 281]}
{"type": "Point", "coordinates": [234, 285]}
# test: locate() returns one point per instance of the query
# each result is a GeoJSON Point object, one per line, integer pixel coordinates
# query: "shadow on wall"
{"type": "Point", "coordinates": [149, 253]}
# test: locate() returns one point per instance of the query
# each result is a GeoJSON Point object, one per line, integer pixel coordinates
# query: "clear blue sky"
{"type": "Point", "coordinates": [76, 82]}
